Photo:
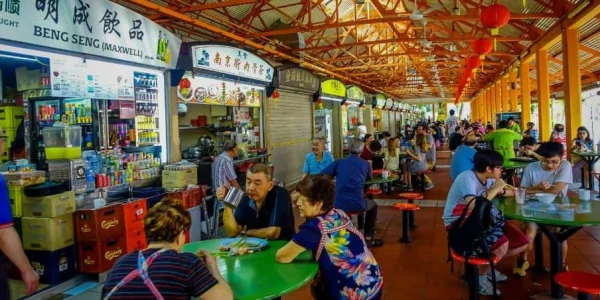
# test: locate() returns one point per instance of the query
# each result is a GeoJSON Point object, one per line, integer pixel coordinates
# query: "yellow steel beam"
{"type": "Point", "coordinates": [504, 94]}
{"type": "Point", "coordinates": [572, 75]}
{"type": "Point", "coordinates": [498, 93]}
{"type": "Point", "coordinates": [525, 95]}
{"type": "Point", "coordinates": [543, 95]}
{"type": "Point", "coordinates": [512, 91]}
{"type": "Point", "coordinates": [488, 108]}
{"type": "Point", "coordinates": [494, 105]}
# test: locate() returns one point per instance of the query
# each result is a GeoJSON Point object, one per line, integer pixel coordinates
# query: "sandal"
{"type": "Point", "coordinates": [372, 243]}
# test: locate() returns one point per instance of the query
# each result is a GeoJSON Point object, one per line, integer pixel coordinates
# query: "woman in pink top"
{"type": "Point", "coordinates": [559, 136]}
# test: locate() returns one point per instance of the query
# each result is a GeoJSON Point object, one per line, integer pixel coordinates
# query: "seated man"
{"type": "Point", "coordinates": [318, 159]}
{"type": "Point", "coordinates": [351, 173]}
{"type": "Point", "coordinates": [484, 180]}
{"type": "Point", "coordinates": [265, 211]}
{"type": "Point", "coordinates": [462, 160]}
{"type": "Point", "coordinates": [550, 175]}
{"type": "Point", "coordinates": [528, 147]}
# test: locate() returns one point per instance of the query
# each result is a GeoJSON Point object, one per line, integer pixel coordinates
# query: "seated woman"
{"type": "Point", "coordinates": [347, 269]}
{"type": "Point", "coordinates": [162, 271]}
{"type": "Point", "coordinates": [583, 143]}
{"type": "Point", "coordinates": [418, 162]}
{"type": "Point", "coordinates": [391, 155]}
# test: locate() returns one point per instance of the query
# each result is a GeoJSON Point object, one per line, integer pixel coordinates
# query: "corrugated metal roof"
{"type": "Point", "coordinates": [555, 49]}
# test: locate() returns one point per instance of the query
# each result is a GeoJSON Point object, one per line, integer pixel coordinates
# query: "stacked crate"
{"type": "Point", "coordinates": [47, 230]}
{"type": "Point", "coordinates": [10, 118]}
{"type": "Point", "coordinates": [100, 239]}
{"type": "Point", "coordinates": [191, 199]}
{"type": "Point", "coordinates": [134, 212]}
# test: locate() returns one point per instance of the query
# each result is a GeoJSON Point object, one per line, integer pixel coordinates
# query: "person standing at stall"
{"type": "Point", "coordinates": [451, 123]}
{"type": "Point", "coordinates": [503, 140]}
{"type": "Point", "coordinates": [10, 243]}
{"type": "Point", "coordinates": [223, 173]}
{"type": "Point", "coordinates": [514, 126]}
{"type": "Point", "coordinates": [318, 159]}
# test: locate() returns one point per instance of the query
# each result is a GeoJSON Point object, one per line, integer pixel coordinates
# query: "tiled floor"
{"type": "Point", "coordinates": [419, 270]}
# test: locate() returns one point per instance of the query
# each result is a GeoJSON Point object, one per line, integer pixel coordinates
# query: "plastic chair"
{"type": "Point", "coordinates": [585, 284]}
{"type": "Point", "coordinates": [406, 209]}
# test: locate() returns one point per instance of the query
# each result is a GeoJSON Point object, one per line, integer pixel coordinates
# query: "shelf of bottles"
{"type": "Point", "coordinates": [146, 109]}
{"type": "Point", "coordinates": [113, 168]}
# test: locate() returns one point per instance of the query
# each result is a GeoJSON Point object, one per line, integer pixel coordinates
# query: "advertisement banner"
{"type": "Point", "coordinates": [202, 90]}
{"type": "Point", "coordinates": [233, 61]}
{"type": "Point", "coordinates": [97, 27]}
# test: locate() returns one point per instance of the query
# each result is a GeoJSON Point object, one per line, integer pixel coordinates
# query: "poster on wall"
{"type": "Point", "coordinates": [202, 90]}
{"type": "Point", "coordinates": [233, 61]}
{"type": "Point", "coordinates": [97, 27]}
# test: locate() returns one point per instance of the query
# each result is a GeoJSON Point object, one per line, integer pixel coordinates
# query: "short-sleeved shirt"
{"type": "Point", "coordinates": [534, 133]}
{"type": "Point", "coordinates": [430, 155]}
{"type": "Point", "coordinates": [560, 137]}
{"type": "Point", "coordinates": [392, 161]}
{"type": "Point", "coordinates": [462, 160]}
{"type": "Point", "coordinates": [175, 275]}
{"type": "Point", "coordinates": [275, 212]}
{"type": "Point", "coordinates": [419, 165]}
{"type": "Point", "coordinates": [451, 122]}
{"type": "Point", "coordinates": [351, 173]}
{"type": "Point", "coordinates": [6, 217]}
{"type": "Point", "coordinates": [222, 170]}
{"type": "Point", "coordinates": [348, 269]}
{"type": "Point", "coordinates": [455, 140]}
{"type": "Point", "coordinates": [366, 154]}
{"type": "Point", "coordinates": [516, 128]}
{"type": "Point", "coordinates": [534, 174]}
{"type": "Point", "coordinates": [313, 166]}
{"type": "Point", "coordinates": [466, 184]}
{"type": "Point", "coordinates": [503, 140]}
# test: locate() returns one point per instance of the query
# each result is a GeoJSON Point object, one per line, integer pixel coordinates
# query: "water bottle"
{"type": "Point", "coordinates": [90, 180]}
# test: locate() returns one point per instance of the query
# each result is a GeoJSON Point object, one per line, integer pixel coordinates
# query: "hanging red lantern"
{"type": "Point", "coordinates": [494, 17]}
{"type": "Point", "coordinates": [482, 47]}
{"type": "Point", "coordinates": [473, 62]}
{"type": "Point", "coordinates": [275, 94]}
{"type": "Point", "coordinates": [346, 104]}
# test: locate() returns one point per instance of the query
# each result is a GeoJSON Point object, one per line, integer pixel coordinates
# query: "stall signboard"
{"type": "Point", "coordinates": [355, 93]}
{"type": "Point", "coordinates": [97, 27]}
{"type": "Point", "coordinates": [203, 90]}
{"type": "Point", "coordinates": [298, 78]}
{"type": "Point", "coordinates": [334, 88]}
{"type": "Point", "coordinates": [380, 100]}
{"type": "Point", "coordinates": [388, 103]}
{"type": "Point", "coordinates": [76, 77]}
{"type": "Point", "coordinates": [233, 61]}
{"type": "Point", "coordinates": [395, 106]}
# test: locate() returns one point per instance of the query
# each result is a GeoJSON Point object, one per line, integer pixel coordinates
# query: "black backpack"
{"type": "Point", "coordinates": [466, 236]}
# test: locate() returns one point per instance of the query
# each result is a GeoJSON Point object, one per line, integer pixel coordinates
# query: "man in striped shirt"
{"type": "Point", "coordinates": [223, 173]}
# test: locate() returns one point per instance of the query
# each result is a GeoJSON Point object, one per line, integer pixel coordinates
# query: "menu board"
{"type": "Point", "coordinates": [76, 77]}
{"type": "Point", "coordinates": [202, 90]}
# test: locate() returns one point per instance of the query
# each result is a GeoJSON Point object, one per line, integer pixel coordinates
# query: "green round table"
{"type": "Point", "coordinates": [380, 180]}
{"type": "Point", "coordinates": [258, 276]}
{"type": "Point", "coordinates": [514, 165]}
{"type": "Point", "coordinates": [568, 219]}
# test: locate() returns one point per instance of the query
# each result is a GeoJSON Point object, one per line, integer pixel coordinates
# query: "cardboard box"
{"type": "Point", "coordinates": [48, 234]}
{"type": "Point", "coordinates": [15, 196]}
{"type": "Point", "coordinates": [49, 206]}
{"type": "Point", "coordinates": [99, 224]}
{"type": "Point", "coordinates": [179, 179]}
{"type": "Point", "coordinates": [98, 257]}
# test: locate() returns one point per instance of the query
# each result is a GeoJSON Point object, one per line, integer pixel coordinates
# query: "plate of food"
{"type": "Point", "coordinates": [200, 94]}
{"type": "Point", "coordinates": [242, 245]}
{"type": "Point", "coordinates": [185, 90]}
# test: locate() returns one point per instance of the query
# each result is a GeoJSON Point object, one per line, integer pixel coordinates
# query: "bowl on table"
{"type": "Point", "coordinates": [546, 198]}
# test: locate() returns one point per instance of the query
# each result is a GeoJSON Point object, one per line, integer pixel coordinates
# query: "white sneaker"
{"type": "Point", "coordinates": [499, 276]}
{"type": "Point", "coordinates": [486, 288]}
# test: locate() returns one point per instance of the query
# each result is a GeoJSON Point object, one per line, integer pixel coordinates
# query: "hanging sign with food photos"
{"type": "Point", "coordinates": [233, 61]}
{"type": "Point", "coordinates": [203, 90]}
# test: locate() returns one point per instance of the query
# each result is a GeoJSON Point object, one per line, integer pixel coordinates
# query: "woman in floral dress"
{"type": "Point", "coordinates": [347, 269]}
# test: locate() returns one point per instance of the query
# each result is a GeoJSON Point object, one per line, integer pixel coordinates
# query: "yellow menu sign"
{"type": "Point", "coordinates": [332, 87]}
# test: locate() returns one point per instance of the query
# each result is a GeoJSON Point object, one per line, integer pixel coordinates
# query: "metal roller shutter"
{"type": "Point", "coordinates": [290, 131]}
{"type": "Point", "coordinates": [385, 121]}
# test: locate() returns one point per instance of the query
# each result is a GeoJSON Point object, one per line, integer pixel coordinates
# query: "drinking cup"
{"type": "Point", "coordinates": [584, 195]}
{"type": "Point", "coordinates": [520, 194]}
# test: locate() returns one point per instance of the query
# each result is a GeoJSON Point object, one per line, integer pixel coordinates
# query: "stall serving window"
{"type": "Point", "coordinates": [329, 107]}
{"type": "Point", "coordinates": [353, 105]}
{"type": "Point", "coordinates": [377, 108]}
{"type": "Point", "coordinates": [385, 115]}
{"type": "Point", "coordinates": [219, 98]}
{"type": "Point", "coordinates": [290, 121]}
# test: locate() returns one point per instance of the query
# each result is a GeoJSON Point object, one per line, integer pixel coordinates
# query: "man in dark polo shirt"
{"type": "Point", "coordinates": [265, 211]}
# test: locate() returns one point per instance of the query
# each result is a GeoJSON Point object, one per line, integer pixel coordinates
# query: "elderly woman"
{"type": "Point", "coordinates": [351, 174]}
{"type": "Point", "coordinates": [347, 269]}
{"type": "Point", "coordinates": [162, 271]}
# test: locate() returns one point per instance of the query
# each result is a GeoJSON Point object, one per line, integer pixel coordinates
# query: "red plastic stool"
{"type": "Point", "coordinates": [585, 284]}
{"type": "Point", "coordinates": [406, 209]}
{"type": "Point", "coordinates": [472, 271]}
{"type": "Point", "coordinates": [411, 197]}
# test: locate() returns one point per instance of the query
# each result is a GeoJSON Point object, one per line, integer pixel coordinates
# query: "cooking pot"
{"type": "Point", "coordinates": [234, 197]}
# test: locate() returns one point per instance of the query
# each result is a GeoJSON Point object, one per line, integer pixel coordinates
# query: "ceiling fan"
{"type": "Point", "coordinates": [417, 15]}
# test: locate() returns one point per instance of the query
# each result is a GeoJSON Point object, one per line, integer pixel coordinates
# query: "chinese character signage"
{"type": "Point", "coordinates": [202, 90]}
{"type": "Point", "coordinates": [233, 61]}
{"type": "Point", "coordinates": [355, 93]}
{"type": "Point", "coordinates": [332, 87]}
{"type": "Point", "coordinates": [298, 78]}
{"type": "Point", "coordinates": [95, 27]}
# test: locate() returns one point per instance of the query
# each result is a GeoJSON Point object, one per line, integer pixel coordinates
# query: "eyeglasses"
{"type": "Point", "coordinates": [550, 162]}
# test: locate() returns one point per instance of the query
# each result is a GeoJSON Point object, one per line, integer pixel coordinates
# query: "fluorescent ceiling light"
{"type": "Point", "coordinates": [18, 57]}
